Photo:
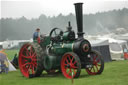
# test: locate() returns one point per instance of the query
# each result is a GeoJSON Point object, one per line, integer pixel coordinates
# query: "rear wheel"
{"type": "Point", "coordinates": [31, 60]}
{"type": "Point", "coordinates": [70, 65]}
{"type": "Point", "coordinates": [97, 63]}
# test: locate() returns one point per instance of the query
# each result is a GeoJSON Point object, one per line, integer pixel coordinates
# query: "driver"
{"type": "Point", "coordinates": [36, 35]}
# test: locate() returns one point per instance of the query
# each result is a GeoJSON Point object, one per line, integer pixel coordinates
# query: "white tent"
{"type": "Point", "coordinates": [117, 48]}
{"type": "Point", "coordinates": [10, 44]}
{"type": "Point", "coordinates": [122, 37]}
{"type": "Point", "coordinates": [11, 67]}
{"type": "Point", "coordinates": [102, 46]}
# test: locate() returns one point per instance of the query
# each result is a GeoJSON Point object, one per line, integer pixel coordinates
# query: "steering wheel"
{"type": "Point", "coordinates": [56, 34]}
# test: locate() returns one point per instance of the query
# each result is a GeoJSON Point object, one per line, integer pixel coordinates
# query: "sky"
{"type": "Point", "coordinates": [34, 8]}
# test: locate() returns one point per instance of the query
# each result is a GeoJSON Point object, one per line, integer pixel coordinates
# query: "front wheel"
{"type": "Point", "coordinates": [96, 65]}
{"type": "Point", "coordinates": [70, 65]}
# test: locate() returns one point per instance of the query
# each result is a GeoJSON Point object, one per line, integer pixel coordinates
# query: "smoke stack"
{"type": "Point", "coordinates": [79, 19]}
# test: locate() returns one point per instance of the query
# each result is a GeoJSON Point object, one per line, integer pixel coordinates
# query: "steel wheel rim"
{"type": "Point", "coordinates": [96, 64]}
{"type": "Point", "coordinates": [69, 66]}
{"type": "Point", "coordinates": [27, 60]}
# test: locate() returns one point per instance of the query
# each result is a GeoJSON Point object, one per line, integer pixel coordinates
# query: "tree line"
{"type": "Point", "coordinates": [93, 24]}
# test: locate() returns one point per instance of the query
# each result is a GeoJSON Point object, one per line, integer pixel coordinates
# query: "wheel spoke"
{"type": "Point", "coordinates": [34, 59]}
{"type": "Point", "coordinates": [75, 62]}
{"type": "Point", "coordinates": [25, 56]}
{"type": "Point", "coordinates": [34, 64]}
{"type": "Point", "coordinates": [69, 57]}
{"type": "Point", "coordinates": [93, 69]}
{"type": "Point", "coordinates": [67, 61]}
{"type": "Point", "coordinates": [29, 69]}
{"type": "Point", "coordinates": [34, 54]}
{"type": "Point", "coordinates": [26, 60]}
{"type": "Point", "coordinates": [65, 64]}
{"type": "Point", "coordinates": [97, 68]}
{"type": "Point", "coordinates": [27, 51]}
{"type": "Point", "coordinates": [72, 59]}
{"type": "Point", "coordinates": [25, 64]}
{"type": "Point", "coordinates": [74, 67]}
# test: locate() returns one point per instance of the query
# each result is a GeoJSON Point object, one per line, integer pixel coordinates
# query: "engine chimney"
{"type": "Point", "coordinates": [79, 19]}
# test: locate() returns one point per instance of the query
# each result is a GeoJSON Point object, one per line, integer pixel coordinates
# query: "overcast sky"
{"type": "Point", "coordinates": [33, 8]}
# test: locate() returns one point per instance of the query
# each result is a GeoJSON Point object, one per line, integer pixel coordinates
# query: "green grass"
{"type": "Point", "coordinates": [115, 73]}
{"type": "Point", "coordinates": [11, 53]}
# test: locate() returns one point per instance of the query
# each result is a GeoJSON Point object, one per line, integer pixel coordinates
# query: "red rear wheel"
{"type": "Point", "coordinates": [97, 64]}
{"type": "Point", "coordinates": [70, 64]}
{"type": "Point", "coordinates": [30, 60]}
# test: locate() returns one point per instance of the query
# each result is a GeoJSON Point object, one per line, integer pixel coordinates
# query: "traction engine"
{"type": "Point", "coordinates": [61, 51]}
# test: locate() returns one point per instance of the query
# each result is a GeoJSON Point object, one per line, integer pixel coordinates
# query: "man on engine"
{"type": "Point", "coordinates": [36, 36]}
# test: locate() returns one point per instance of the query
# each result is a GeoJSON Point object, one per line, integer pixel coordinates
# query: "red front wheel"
{"type": "Point", "coordinates": [30, 57]}
{"type": "Point", "coordinates": [70, 65]}
{"type": "Point", "coordinates": [96, 63]}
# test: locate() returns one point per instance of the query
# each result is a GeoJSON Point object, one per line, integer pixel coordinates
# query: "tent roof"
{"type": "Point", "coordinates": [1, 43]}
{"type": "Point", "coordinates": [111, 40]}
{"type": "Point", "coordinates": [122, 37]}
{"type": "Point", "coordinates": [125, 34]}
{"type": "Point", "coordinates": [99, 42]}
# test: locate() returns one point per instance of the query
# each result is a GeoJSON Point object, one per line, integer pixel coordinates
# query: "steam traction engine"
{"type": "Point", "coordinates": [61, 51]}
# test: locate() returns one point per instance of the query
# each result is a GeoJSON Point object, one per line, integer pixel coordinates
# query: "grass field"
{"type": "Point", "coordinates": [115, 73]}
{"type": "Point", "coordinates": [11, 53]}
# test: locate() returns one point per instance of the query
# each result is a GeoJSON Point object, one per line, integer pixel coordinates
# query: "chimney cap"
{"type": "Point", "coordinates": [78, 3]}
